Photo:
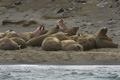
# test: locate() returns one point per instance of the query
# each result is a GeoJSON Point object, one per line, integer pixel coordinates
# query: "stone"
{"type": "Point", "coordinates": [17, 3]}
{"type": "Point", "coordinates": [80, 1]}
{"type": "Point", "coordinates": [58, 10]}
{"type": "Point", "coordinates": [102, 4]}
{"type": "Point", "coordinates": [117, 33]}
{"type": "Point", "coordinates": [111, 21]}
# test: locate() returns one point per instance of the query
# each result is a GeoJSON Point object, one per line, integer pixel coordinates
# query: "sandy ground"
{"type": "Point", "coordinates": [88, 16]}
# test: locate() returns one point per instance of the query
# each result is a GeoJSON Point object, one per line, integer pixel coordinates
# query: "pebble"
{"type": "Point", "coordinates": [80, 1]}
{"type": "Point", "coordinates": [87, 24]}
{"type": "Point", "coordinates": [102, 4]}
{"type": "Point", "coordinates": [17, 3]}
{"type": "Point", "coordinates": [58, 10]}
{"type": "Point", "coordinates": [117, 33]}
{"type": "Point", "coordinates": [111, 21]}
{"type": "Point", "coordinates": [88, 32]}
{"type": "Point", "coordinates": [52, 0]}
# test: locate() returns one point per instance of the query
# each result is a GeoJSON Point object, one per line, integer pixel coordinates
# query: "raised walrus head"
{"type": "Point", "coordinates": [62, 26]}
{"type": "Point", "coordinates": [103, 31]}
{"type": "Point", "coordinates": [103, 40]}
{"type": "Point", "coordinates": [39, 31]}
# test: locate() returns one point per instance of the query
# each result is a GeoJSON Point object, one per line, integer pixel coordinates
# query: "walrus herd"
{"type": "Point", "coordinates": [57, 38]}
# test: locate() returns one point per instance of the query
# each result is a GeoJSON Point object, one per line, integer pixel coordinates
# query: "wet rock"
{"type": "Point", "coordinates": [17, 3]}
{"type": "Point", "coordinates": [59, 10]}
{"type": "Point", "coordinates": [102, 4]}
{"type": "Point", "coordinates": [111, 21]}
{"type": "Point", "coordinates": [116, 33]}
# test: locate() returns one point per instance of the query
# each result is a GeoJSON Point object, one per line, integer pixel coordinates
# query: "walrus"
{"type": "Point", "coordinates": [20, 42]}
{"type": "Point", "coordinates": [74, 37]}
{"type": "Point", "coordinates": [71, 45]}
{"type": "Point", "coordinates": [103, 40]}
{"type": "Point", "coordinates": [2, 35]}
{"type": "Point", "coordinates": [28, 35]}
{"type": "Point", "coordinates": [8, 44]}
{"type": "Point", "coordinates": [61, 36]}
{"type": "Point", "coordinates": [62, 26]}
{"type": "Point", "coordinates": [72, 30]}
{"type": "Point", "coordinates": [51, 44]}
{"type": "Point", "coordinates": [37, 41]}
{"type": "Point", "coordinates": [90, 38]}
{"type": "Point", "coordinates": [11, 34]}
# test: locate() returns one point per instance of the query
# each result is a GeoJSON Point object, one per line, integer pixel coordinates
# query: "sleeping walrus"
{"type": "Point", "coordinates": [20, 42]}
{"type": "Point", "coordinates": [51, 44]}
{"type": "Point", "coordinates": [8, 44]}
{"type": "Point", "coordinates": [71, 45]}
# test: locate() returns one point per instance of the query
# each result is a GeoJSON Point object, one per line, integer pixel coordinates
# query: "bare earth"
{"type": "Point", "coordinates": [88, 16]}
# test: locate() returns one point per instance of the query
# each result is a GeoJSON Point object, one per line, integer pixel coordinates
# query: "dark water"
{"type": "Point", "coordinates": [59, 72]}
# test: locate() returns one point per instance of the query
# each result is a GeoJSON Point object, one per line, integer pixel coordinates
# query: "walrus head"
{"type": "Point", "coordinates": [39, 31]}
{"type": "Point", "coordinates": [103, 31]}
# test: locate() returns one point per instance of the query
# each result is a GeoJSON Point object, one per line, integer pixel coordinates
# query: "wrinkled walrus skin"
{"type": "Point", "coordinates": [37, 41]}
{"type": "Point", "coordinates": [61, 36]}
{"type": "Point", "coordinates": [71, 45]}
{"type": "Point", "coordinates": [20, 42]}
{"type": "Point", "coordinates": [8, 44]}
{"type": "Point", "coordinates": [51, 44]}
{"type": "Point", "coordinates": [103, 40]}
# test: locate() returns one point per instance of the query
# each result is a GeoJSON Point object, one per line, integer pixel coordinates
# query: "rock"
{"type": "Point", "coordinates": [102, 4]}
{"type": "Point", "coordinates": [87, 24]}
{"type": "Point", "coordinates": [88, 32]}
{"type": "Point", "coordinates": [80, 1]}
{"type": "Point", "coordinates": [17, 3]}
{"type": "Point", "coordinates": [111, 21]}
{"type": "Point", "coordinates": [58, 10]}
{"type": "Point", "coordinates": [52, 0]}
{"type": "Point", "coordinates": [117, 33]}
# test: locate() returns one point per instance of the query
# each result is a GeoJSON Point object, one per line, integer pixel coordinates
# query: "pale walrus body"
{"type": "Point", "coordinates": [20, 42]}
{"type": "Point", "coordinates": [91, 40]}
{"type": "Point", "coordinates": [2, 35]}
{"type": "Point", "coordinates": [8, 44]}
{"type": "Point", "coordinates": [61, 36]}
{"type": "Point", "coordinates": [37, 41]}
{"type": "Point", "coordinates": [71, 45]}
{"type": "Point", "coordinates": [51, 44]}
{"type": "Point", "coordinates": [11, 34]}
{"type": "Point", "coordinates": [103, 40]}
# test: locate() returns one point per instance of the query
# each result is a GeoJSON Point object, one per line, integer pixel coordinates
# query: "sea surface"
{"type": "Point", "coordinates": [59, 72]}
